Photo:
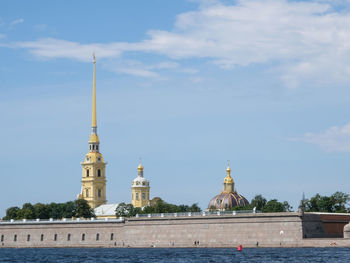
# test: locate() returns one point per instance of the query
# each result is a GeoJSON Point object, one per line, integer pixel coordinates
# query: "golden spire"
{"type": "Point", "coordinates": [93, 136]}
{"type": "Point", "coordinates": [94, 122]}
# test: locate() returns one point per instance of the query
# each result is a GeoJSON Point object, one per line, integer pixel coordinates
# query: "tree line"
{"type": "Point", "coordinates": [156, 206]}
{"type": "Point", "coordinates": [78, 208]}
{"type": "Point", "coordinates": [336, 203]}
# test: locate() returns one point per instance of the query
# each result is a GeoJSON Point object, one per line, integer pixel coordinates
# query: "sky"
{"type": "Point", "coordinates": [185, 85]}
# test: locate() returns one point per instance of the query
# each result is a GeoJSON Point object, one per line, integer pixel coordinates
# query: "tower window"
{"type": "Point", "coordinates": [68, 237]}
{"type": "Point", "coordinates": [99, 192]}
{"type": "Point", "coordinates": [42, 237]}
{"type": "Point", "coordinates": [55, 237]}
{"type": "Point", "coordinates": [93, 147]}
{"type": "Point", "coordinates": [28, 238]}
{"type": "Point", "coordinates": [87, 192]}
{"type": "Point", "coordinates": [2, 238]}
{"type": "Point", "coordinates": [97, 147]}
{"type": "Point", "coordinates": [15, 238]}
{"type": "Point", "coordinates": [132, 196]}
{"type": "Point", "coordinates": [90, 147]}
{"type": "Point", "coordinates": [99, 172]}
{"type": "Point", "coordinates": [87, 172]}
{"type": "Point", "coordinates": [83, 237]}
{"type": "Point", "coordinates": [97, 237]}
{"type": "Point", "coordinates": [137, 196]}
{"type": "Point", "coordinates": [143, 196]}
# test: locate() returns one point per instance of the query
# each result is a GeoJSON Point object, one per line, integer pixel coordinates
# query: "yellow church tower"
{"type": "Point", "coordinates": [93, 183]}
{"type": "Point", "coordinates": [140, 189]}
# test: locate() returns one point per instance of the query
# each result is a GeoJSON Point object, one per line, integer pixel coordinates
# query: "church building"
{"type": "Point", "coordinates": [228, 198]}
{"type": "Point", "coordinates": [140, 189]}
{"type": "Point", "coordinates": [93, 183]}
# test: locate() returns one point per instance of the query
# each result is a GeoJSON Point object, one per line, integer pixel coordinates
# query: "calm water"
{"type": "Point", "coordinates": [270, 255]}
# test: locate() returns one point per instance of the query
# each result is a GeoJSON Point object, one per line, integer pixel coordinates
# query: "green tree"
{"type": "Point", "coordinates": [82, 209]}
{"type": "Point", "coordinates": [334, 203]}
{"type": "Point", "coordinates": [259, 202]}
{"type": "Point", "coordinates": [194, 208]}
{"type": "Point", "coordinates": [42, 211]}
{"type": "Point", "coordinates": [69, 209]}
{"type": "Point", "coordinates": [27, 212]}
{"type": "Point", "coordinates": [125, 210]}
{"type": "Point", "coordinates": [274, 206]}
{"type": "Point", "coordinates": [56, 210]}
{"type": "Point", "coordinates": [340, 201]}
{"type": "Point", "coordinates": [12, 213]}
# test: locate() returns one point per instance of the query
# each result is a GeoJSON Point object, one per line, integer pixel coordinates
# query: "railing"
{"type": "Point", "coordinates": [60, 221]}
{"type": "Point", "coordinates": [205, 213]}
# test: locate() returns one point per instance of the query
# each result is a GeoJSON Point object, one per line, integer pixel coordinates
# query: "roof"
{"type": "Point", "coordinates": [227, 201]}
{"type": "Point", "coordinates": [106, 210]}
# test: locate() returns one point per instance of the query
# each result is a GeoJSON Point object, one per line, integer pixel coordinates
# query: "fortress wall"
{"type": "Point", "coordinates": [62, 230]}
{"type": "Point", "coordinates": [224, 231]}
{"type": "Point", "coordinates": [210, 231]}
{"type": "Point", "coordinates": [324, 225]}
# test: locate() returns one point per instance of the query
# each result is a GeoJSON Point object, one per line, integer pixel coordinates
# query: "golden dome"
{"type": "Point", "coordinates": [140, 167]}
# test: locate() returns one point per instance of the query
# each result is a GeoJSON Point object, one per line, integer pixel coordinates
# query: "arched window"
{"type": "Point", "coordinates": [143, 196]}
{"type": "Point", "coordinates": [90, 147]}
{"type": "Point", "coordinates": [87, 192]}
{"type": "Point", "coordinates": [28, 238]}
{"type": "Point", "coordinates": [2, 238]}
{"type": "Point", "coordinates": [15, 238]}
{"type": "Point", "coordinates": [99, 172]}
{"type": "Point", "coordinates": [42, 237]}
{"type": "Point", "coordinates": [97, 147]}
{"type": "Point", "coordinates": [137, 196]}
{"type": "Point", "coordinates": [97, 237]}
{"type": "Point", "coordinates": [55, 237]}
{"type": "Point", "coordinates": [68, 237]}
{"type": "Point", "coordinates": [112, 236]}
{"type": "Point", "coordinates": [93, 147]}
{"type": "Point", "coordinates": [87, 172]}
{"type": "Point", "coordinates": [83, 237]}
{"type": "Point", "coordinates": [99, 192]}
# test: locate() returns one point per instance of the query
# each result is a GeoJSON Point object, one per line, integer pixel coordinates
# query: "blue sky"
{"type": "Point", "coordinates": [186, 86]}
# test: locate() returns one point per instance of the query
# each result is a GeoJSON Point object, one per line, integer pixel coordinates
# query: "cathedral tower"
{"type": "Point", "coordinates": [93, 188]}
{"type": "Point", "coordinates": [140, 189]}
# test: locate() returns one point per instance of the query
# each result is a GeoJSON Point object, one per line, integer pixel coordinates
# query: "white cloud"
{"type": "Point", "coordinates": [334, 139]}
{"type": "Point", "coordinates": [55, 48]}
{"type": "Point", "coordinates": [16, 22]}
{"type": "Point", "coordinates": [306, 40]}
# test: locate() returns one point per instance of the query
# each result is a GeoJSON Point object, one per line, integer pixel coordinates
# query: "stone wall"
{"type": "Point", "coordinates": [250, 230]}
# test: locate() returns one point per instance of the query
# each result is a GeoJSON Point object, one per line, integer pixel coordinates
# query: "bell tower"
{"type": "Point", "coordinates": [140, 189]}
{"type": "Point", "coordinates": [93, 183]}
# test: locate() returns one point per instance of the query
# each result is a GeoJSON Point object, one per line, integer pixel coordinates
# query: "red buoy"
{"type": "Point", "coordinates": [239, 248]}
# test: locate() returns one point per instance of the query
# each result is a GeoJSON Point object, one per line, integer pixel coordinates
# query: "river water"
{"type": "Point", "coordinates": [270, 255]}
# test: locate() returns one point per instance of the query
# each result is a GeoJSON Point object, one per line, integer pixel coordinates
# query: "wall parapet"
{"type": "Point", "coordinates": [60, 221]}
